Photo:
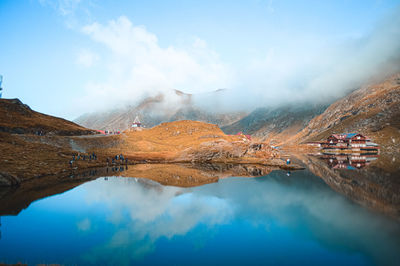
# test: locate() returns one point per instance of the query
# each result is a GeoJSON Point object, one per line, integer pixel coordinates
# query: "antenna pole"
{"type": "Point", "coordinates": [1, 89]}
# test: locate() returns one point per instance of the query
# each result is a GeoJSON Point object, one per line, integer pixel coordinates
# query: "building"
{"type": "Point", "coordinates": [337, 141]}
{"type": "Point", "coordinates": [136, 122]}
{"type": "Point", "coordinates": [248, 137]}
{"type": "Point", "coordinates": [355, 140]}
{"type": "Point", "coordinates": [350, 141]}
{"type": "Point", "coordinates": [136, 125]}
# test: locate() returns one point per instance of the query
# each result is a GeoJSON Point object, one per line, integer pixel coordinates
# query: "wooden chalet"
{"type": "Point", "coordinates": [349, 141]}
{"type": "Point", "coordinates": [336, 141]}
{"type": "Point", "coordinates": [355, 140]}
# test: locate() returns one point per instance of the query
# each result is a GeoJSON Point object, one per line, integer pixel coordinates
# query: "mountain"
{"type": "Point", "coordinates": [275, 124]}
{"type": "Point", "coordinates": [155, 110]}
{"type": "Point", "coordinates": [33, 144]}
{"type": "Point", "coordinates": [373, 110]}
{"type": "Point", "coordinates": [19, 118]}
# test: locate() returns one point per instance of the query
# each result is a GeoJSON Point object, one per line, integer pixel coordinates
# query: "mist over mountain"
{"type": "Point", "coordinates": [276, 124]}
{"type": "Point", "coordinates": [272, 97]}
{"type": "Point", "coordinates": [373, 109]}
{"type": "Point", "coordinates": [155, 110]}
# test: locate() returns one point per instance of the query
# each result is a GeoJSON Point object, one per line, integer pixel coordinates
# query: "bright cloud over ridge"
{"type": "Point", "coordinates": [138, 66]}
{"type": "Point", "coordinates": [88, 55]}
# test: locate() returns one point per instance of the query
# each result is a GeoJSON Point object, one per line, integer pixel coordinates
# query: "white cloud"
{"type": "Point", "coordinates": [301, 69]}
{"type": "Point", "coordinates": [136, 65]}
{"type": "Point", "coordinates": [87, 58]}
{"type": "Point", "coordinates": [70, 10]}
{"type": "Point", "coordinates": [84, 225]}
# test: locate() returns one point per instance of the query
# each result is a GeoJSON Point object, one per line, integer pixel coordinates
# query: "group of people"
{"type": "Point", "coordinates": [39, 133]}
{"type": "Point", "coordinates": [117, 159]}
{"type": "Point", "coordinates": [83, 157]}
{"type": "Point", "coordinates": [107, 132]}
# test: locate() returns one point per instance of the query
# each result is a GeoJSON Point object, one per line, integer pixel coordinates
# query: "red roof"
{"type": "Point", "coordinates": [241, 133]}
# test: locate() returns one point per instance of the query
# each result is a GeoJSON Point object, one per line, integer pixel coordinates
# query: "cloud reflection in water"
{"type": "Point", "coordinates": [146, 211]}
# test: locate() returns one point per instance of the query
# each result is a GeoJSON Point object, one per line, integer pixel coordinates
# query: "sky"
{"type": "Point", "coordinates": [69, 57]}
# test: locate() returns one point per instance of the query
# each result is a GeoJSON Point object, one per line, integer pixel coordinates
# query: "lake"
{"type": "Point", "coordinates": [277, 217]}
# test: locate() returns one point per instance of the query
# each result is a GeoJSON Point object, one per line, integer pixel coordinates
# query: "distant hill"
{"type": "Point", "coordinates": [18, 118]}
{"type": "Point", "coordinates": [275, 124]}
{"type": "Point", "coordinates": [155, 110]}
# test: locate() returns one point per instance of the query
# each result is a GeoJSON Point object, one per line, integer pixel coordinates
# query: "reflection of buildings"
{"type": "Point", "coordinates": [350, 161]}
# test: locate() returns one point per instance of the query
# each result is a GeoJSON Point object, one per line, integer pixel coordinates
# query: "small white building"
{"type": "Point", "coordinates": [136, 124]}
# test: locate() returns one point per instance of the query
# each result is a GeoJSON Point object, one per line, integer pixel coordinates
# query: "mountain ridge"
{"type": "Point", "coordinates": [155, 110]}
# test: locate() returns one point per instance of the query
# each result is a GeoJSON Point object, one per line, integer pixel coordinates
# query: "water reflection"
{"type": "Point", "coordinates": [148, 212]}
{"type": "Point", "coordinates": [349, 161]}
{"type": "Point", "coordinates": [376, 186]}
{"type": "Point", "coordinates": [15, 199]}
{"type": "Point", "coordinates": [273, 219]}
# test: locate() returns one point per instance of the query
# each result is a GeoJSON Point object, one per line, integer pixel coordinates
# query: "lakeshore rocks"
{"type": "Point", "coordinates": [8, 180]}
{"type": "Point", "coordinates": [223, 150]}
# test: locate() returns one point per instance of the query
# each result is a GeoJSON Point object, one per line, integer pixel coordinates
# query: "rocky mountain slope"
{"type": "Point", "coordinates": [18, 118]}
{"type": "Point", "coordinates": [33, 144]}
{"type": "Point", "coordinates": [154, 110]}
{"type": "Point", "coordinates": [275, 124]}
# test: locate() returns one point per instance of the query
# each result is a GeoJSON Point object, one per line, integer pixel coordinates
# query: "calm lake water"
{"type": "Point", "coordinates": [274, 219]}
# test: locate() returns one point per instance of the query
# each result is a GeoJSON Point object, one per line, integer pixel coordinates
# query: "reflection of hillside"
{"type": "Point", "coordinates": [15, 199]}
{"type": "Point", "coordinates": [371, 186]}
{"type": "Point", "coordinates": [191, 175]}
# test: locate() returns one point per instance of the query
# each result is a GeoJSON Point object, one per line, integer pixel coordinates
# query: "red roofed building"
{"type": "Point", "coordinates": [349, 141]}
{"type": "Point", "coordinates": [241, 134]}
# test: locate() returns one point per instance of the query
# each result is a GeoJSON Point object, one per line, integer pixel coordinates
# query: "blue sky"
{"type": "Point", "coordinates": [68, 57]}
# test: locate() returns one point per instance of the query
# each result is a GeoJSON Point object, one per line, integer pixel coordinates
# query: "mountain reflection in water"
{"type": "Point", "coordinates": [273, 219]}
{"type": "Point", "coordinates": [14, 199]}
{"type": "Point", "coordinates": [376, 186]}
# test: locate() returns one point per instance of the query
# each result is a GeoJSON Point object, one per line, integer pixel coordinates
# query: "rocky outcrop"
{"type": "Point", "coordinates": [223, 150]}
{"type": "Point", "coordinates": [7, 179]}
